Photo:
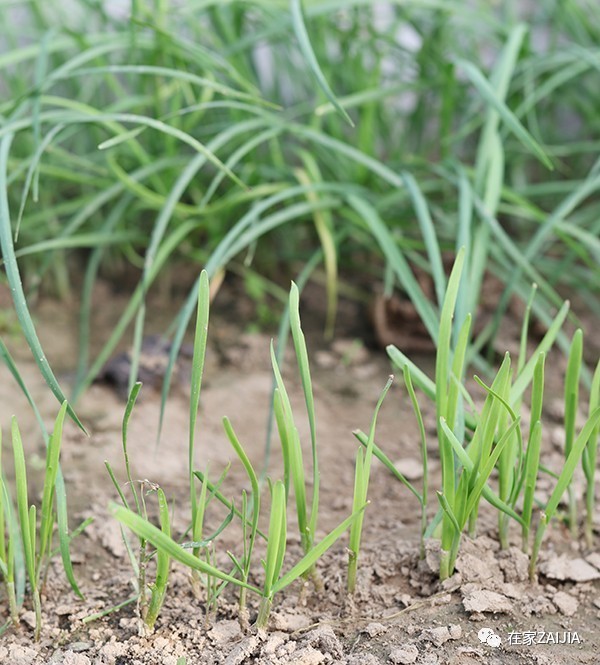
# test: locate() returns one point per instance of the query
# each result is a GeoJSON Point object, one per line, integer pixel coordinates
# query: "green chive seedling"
{"type": "Point", "coordinates": [563, 483]}
{"type": "Point", "coordinates": [159, 588]}
{"type": "Point", "coordinates": [515, 468]}
{"type": "Point", "coordinates": [9, 536]}
{"type": "Point", "coordinates": [422, 497]}
{"type": "Point", "coordinates": [149, 597]}
{"type": "Point", "coordinates": [476, 463]}
{"type": "Point", "coordinates": [362, 474]}
{"type": "Point", "coordinates": [590, 455]}
{"type": "Point", "coordinates": [423, 437]}
{"type": "Point", "coordinates": [14, 551]}
{"type": "Point", "coordinates": [276, 538]}
{"type": "Point", "coordinates": [25, 545]}
{"type": "Point", "coordinates": [164, 543]}
{"type": "Point", "coordinates": [446, 400]}
{"type": "Point", "coordinates": [304, 369]}
{"type": "Point", "coordinates": [249, 518]}
{"type": "Point", "coordinates": [294, 472]}
{"type": "Point", "coordinates": [276, 544]}
{"type": "Point", "coordinates": [276, 549]}
{"type": "Point", "coordinates": [532, 453]}
{"type": "Point", "coordinates": [509, 464]}
{"type": "Point", "coordinates": [198, 502]}
{"type": "Point", "coordinates": [571, 396]}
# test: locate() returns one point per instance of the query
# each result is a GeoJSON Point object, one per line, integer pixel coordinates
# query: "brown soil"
{"type": "Point", "coordinates": [400, 612]}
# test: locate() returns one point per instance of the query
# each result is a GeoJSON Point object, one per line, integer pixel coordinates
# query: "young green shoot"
{"type": "Point", "coordinates": [489, 425]}
{"type": "Point", "coordinates": [159, 588]}
{"type": "Point", "coordinates": [563, 482]}
{"type": "Point", "coordinates": [36, 541]}
{"type": "Point", "coordinates": [8, 536]}
{"type": "Point", "coordinates": [423, 437]}
{"type": "Point", "coordinates": [532, 453]}
{"type": "Point", "coordinates": [445, 387]}
{"type": "Point", "coordinates": [571, 408]}
{"type": "Point", "coordinates": [509, 465]}
{"type": "Point", "coordinates": [362, 474]}
{"type": "Point", "coordinates": [276, 547]}
{"type": "Point", "coordinates": [163, 543]}
{"type": "Point", "coordinates": [198, 533]}
{"type": "Point", "coordinates": [363, 439]}
{"type": "Point", "coordinates": [148, 605]}
{"type": "Point", "coordinates": [512, 466]}
{"type": "Point", "coordinates": [292, 454]}
{"type": "Point", "coordinates": [200, 338]}
{"type": "Point", "coordinates": [590, 455]}
{"type": "Point", "coordinates": [249, 516]}
{"type": "Point", "coordinates": [305, 377]}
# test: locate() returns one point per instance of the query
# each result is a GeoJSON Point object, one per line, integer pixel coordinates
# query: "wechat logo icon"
{"type": "Point", "coordinates": [489, 637]}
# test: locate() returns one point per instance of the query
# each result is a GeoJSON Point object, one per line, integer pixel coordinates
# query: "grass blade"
{"type": "Point", "coordinates": [14, 279]}
{"type": "Point", "coordinates": [563, 482]}
{"type": "Point", "coordinates": [532, 464]}
{"type": "Point", "coordinates": [47, 511]}
{"type": "Point", "coordinates": [509, 118]}
{"type": "Point", "coordinates": [309, 560]}
{"type": "Point", "coordinates": [159, 588]}
{"type": "Point", "coordinates": [571, 407]}
{"type": "Point", "coordinates": [296, 463]}
{"type": "Point", "coordinates": [311, 59]}
{"type": "Point", "coordinates": [241, 453]}
{"type": "Point", "coordinates": [124, 430]}
{"type": "Point", "coordinates": [443, 359]}
{"type": "Point", "coordinates": [304, 369]}
{"type": "Point", "coordinates": [429, 236]}
{"type": "Point", "coordinates": [161, 541]}
{"type": "Point", "coordinates": [361, 489]}
{"type": "Point", "coordinates": [387, 462]}
{"type": "Point", "coordinates": [525, 376]}
{"type": "Point", "coordinates": [590, 455]}
{"type": "Point", "coordinates": [200, 339]}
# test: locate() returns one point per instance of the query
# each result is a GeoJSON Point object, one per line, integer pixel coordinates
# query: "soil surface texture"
{"type": "Point", "coordinates": [487, 613]}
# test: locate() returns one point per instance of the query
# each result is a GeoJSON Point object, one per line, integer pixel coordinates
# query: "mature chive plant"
{"type": "Point", "coordinates": [233, 133]}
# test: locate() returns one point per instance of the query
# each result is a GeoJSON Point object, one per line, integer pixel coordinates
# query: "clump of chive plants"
{"type": "Point", "coordinates": [26, 533]}
{"type": "Point", "coordinates": [473, 443]}
{"type": "Point", "coordinates": [306, 513]}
